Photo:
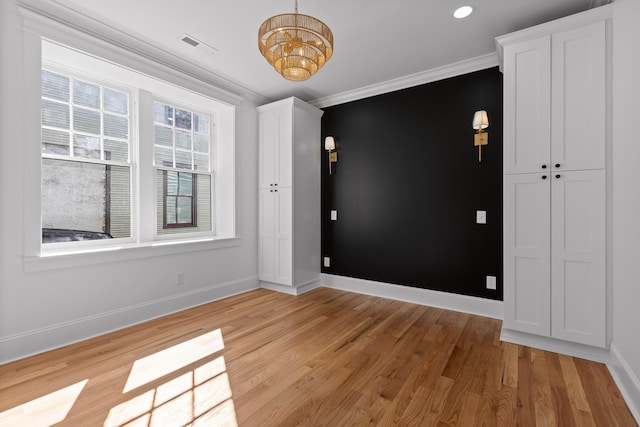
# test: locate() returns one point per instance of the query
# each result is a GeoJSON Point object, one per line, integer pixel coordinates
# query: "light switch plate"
{"type": "Point", "coordinates": [481, 217]}
{"type": "Point", "coordinates": [334, 215]}
{"type": "Point", "coordinates": [327, 261]}
{"type": "Point", "coordinates": [491, 282]}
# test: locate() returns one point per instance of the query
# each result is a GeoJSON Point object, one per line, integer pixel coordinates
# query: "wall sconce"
{"type": "Point", "coordinates": [480, 121]}
{"type": "Point", "coordinates": [330, 145]}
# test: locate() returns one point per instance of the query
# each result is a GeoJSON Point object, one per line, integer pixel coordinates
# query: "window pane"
{"type": "Point", "coordinates": [201, 143]}
{"type": "Point", "coordinates": [86, 120]}
{"type": "Point", "coordinates": [201, 123]}
{"type": "Point", "coordinates": [86, 146]}
{"type": "Point", "coordinates": [55, 86]}
{"type": "Point", "coordinates": [185, 184]}
{"type": "Point", "coordinates": [184, 210]}
{"type": "Point", "coordinates": [116, 126]}
{"type": "Point", "coordinates": [115, 101]}
{"type": "Point", "coordinates": [116, 150]}
{"type": "Point", "coordinates": [163, 136]}
{"type": "Point", "coordinates": [172, 183]}
{"type": "Point", "coordinates": [183, 140]}
{"type": "Point", "coordinates": [201, 162]}
{"type": "Point", "coordinates": [171, 209]}
{"type": "Point", "coordinates": [55, 114]}
{"type": "Point", "coordinates": [163, 157]}
{"type": "Point", "coordinates": [171, 202]}
{"type": "Point", "coordinates": [163, 113]}
{"type": "Point", "coordinates": [183, 160]}
{"type": "Point", "coordinates": [86, 94]}
{"type": "Point", "coordinates": [87, 197]}
{"type": "Point", "coordinates": [55, 142]}
{"type": "Point", "coordinates": [183, 119]}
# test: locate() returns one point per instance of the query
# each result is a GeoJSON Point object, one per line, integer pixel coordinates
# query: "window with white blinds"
{"type": "Point", "coordinates": [86, 172]}
{"type": "Point", "coordinates": [127, 158]}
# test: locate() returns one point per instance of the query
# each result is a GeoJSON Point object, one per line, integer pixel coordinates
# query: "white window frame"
{"type": "Point", "coordinates": [39, 29]}
{"type": "Point", "coordinates": [211, 169]}
{"type": "Point", "coordinates": [64, 247]}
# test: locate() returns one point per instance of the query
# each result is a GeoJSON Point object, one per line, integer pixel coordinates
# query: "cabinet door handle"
{"type": "Point", "coordinates": [544, 176]}
{"type": "Point", "coordinates": [271, 185]}
{"type": "Point", "coordinates": [275, 185]}
{"type": "Point", "coordinates": [557, 165]}
{"type": "Point", "coordinates": [275, 191]}
{"type": "Point", "coordinates": [544, 166]}
{"type": "Point", "coordinates": [558, 176]}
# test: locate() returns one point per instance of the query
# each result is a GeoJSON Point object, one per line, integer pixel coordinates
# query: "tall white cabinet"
{"type": "Point", "coordinates": [289, 192]}
{"type": "Point", "coordinates": [555, 174]}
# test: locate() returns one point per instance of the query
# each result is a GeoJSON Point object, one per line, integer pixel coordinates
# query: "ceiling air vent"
{"type": "Point", "coordinates": [192, 41]}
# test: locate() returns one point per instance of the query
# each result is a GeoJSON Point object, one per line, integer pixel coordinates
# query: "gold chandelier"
{"type": "Point", "coordinates": [297, 46]}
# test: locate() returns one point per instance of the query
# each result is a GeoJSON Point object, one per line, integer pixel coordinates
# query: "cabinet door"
{"type": "Point", "coordinates": [526, 253]}
{"type": "Point", "coordinates": [579, 102]}
{"type": "Point", "coordinates": [527, 100]}
{"type": "Point", "coordinates": [275, 254]}
{"type": "Point", "coordinates": [283, 236]}
{"type": "Point", "coordinates": [578, 279]}
{"type": "Point", "coordinates": [275, 148]}
{"type": "Point", "coordinates": [266, 233]}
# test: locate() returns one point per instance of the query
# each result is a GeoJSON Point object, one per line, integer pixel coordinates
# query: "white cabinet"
{"type": "Point", "coordinates": [555, 198]}
{"type": "Point", "coordinates": [289, 192]}
{"type": "Point", "coordinates": [554, 257]}
{"type": "Point", "coordinates": [578, 228]}
{"type": "Point", "coordinates": [554, 100]}
{"type": "Point", "coordinates": [527, 253]}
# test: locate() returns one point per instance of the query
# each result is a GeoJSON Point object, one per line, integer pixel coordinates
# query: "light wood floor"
{"type": "Point", "coordinates": [325, 358]}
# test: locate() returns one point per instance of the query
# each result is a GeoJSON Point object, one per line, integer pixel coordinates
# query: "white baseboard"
{"type": "Point", "coordinates": [626, 380]}
{"type": "Point", "coordinates": [298, 290]}
{"type": "Point", "coordinates": [463, 303]}
{"type": "Point", "coordinates": [36, 341]}
{"type": "Point", "coordinates": [582, 351]}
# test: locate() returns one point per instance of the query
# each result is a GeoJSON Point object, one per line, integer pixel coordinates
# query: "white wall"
{"type": "Point", "coordinates": [626, 199]}
{"type": "Point", "coordinates": [45, 309]}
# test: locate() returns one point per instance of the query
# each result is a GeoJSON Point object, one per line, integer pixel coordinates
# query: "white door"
{"type": "Point", "coordinates": [283, 236]}
{"type": "Point", "coordinates": [268, 148]}
{"type": "Point", "coordinates": [578, 278]}
{"type": "Point", "coordinates": [526, 253]}
{"type": "Point", "coordinates": [527, 100]}
{"type": "Point", "coordinates": [578, 107]}
{"type": "Point", "coordinates": [267, 235]}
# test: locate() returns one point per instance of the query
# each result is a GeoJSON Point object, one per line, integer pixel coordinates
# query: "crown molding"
{"type": "Point", "coordinates": [428, 76]}
{"type": "Point", "coordinates": [58, 17]}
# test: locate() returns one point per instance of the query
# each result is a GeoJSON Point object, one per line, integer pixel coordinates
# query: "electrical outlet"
{"type": "Point", "coordinates": [327, 261]}
{"type": "Point", "coordinates": [491, 282]}
{"type": "Point", "coordinates": [179, 278]}
{"type": "Point", "coordinates": [481, 217]}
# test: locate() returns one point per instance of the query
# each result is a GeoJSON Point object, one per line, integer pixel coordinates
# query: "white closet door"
{"type": "Point", "coordinates": [284, 237]}
{"type": "Point", "coordinates": [527, 253]}
{"type": "Point", "coordinates": [267, 235]}
{"type": "Point", "coordinates": [527, 100]}
{"type": "Point", "coordinates": [578, 256]}
{"type": "Point", "coordinates": [579, 102]}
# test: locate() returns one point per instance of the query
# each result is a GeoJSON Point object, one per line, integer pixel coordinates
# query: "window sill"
{"type": "Point", "coordinates": [60, 260]}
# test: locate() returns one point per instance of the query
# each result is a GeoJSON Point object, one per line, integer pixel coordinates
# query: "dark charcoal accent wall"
{"type": "Point", "coordinates": [408, 183]}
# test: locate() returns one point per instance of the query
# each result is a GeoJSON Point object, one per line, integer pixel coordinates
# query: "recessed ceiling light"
{"type": "Point", "coordinates": [463, 11]}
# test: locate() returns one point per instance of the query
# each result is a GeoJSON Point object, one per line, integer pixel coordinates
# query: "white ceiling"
{"type": "Point", "coordinates": [375, 40]}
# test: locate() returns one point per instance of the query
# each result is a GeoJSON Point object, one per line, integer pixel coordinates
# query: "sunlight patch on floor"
{"type": "Point", "coordinates": [199, 397]}
{"type": "Point", "coordinates": [44, 411]}
{"type": "Point", "coordinates": [173, 358]}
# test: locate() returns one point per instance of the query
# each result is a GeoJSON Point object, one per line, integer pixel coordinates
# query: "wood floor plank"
{"type": "Point", "coordinates": [324, 358]}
